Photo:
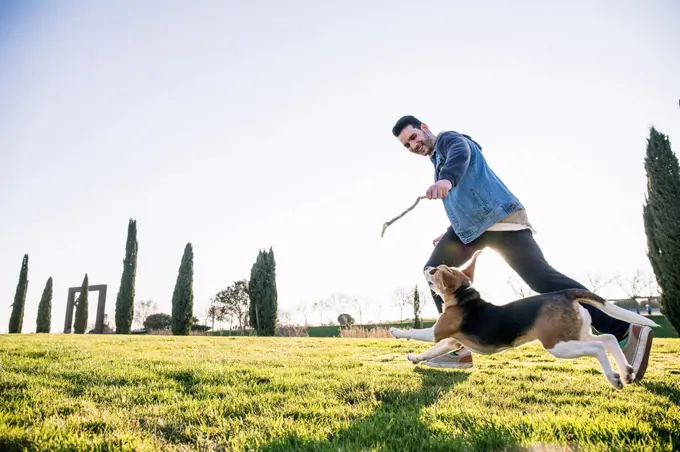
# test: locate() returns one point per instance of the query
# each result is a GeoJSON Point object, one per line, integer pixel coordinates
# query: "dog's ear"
{"type": "Point", "coordinates": [468, 268]}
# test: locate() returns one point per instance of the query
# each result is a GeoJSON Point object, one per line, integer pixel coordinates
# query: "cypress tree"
{"type": "Point", "coordinates": [80, 323]}
{"type": "Point", "coordinates": [263, 294]}
{"type": "Point", "coordinates": [272, 302]}
{"type": "Point", "coordinates": [416, 308]}
{"type": "Point", "coordinates": [125, 306]}
{"type": "Point", "coordinates": [44, 321]}
{"type": "Point", "coordinates": [16, 319]}
{"type": "Point", "coordinates": [183, 295]}
{"type": "Point", "coordinates": [254, 293]}
{"type": "Point", "coordinates": [661, 216]}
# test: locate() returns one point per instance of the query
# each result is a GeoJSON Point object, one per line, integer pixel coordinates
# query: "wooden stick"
{"type": "Point", "coordinates": [401, 215]}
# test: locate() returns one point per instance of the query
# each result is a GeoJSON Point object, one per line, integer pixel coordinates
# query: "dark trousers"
{"type": "Point", "coordinates": [522, 253]}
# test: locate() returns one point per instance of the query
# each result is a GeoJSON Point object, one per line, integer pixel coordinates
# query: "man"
{"type": "Point", "coordinates": [483, 212]}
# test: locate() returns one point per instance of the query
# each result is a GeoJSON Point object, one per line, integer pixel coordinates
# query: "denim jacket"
{"type": "Point", "coordinates": [478, 198]}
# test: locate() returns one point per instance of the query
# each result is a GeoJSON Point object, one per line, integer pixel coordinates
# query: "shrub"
{"type": "Point", "coordinates": [291, 331]}
{"type": "Point", "coordinates": [360, 332]}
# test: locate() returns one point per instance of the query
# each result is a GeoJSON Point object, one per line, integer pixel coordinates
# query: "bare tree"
{"type": "Point", "coordinates": [380, 305]}
{"type": "Point", "coordinates": [402, 297]}
{"type": "Point", "coordinates": [302, 308]}
{"type": "Point", "coordinates": [519, 287]}
{"type": "Point", "coordinates": [596, 281]}
{"type": "Point", "coordinates": [320, 306]}
{"type": "Point", "coordinates": [651, 285]}
{"type": "Point", "coordinates": [633, 285]}
{"type": "Point", "coordinates": [344, 302]}
{"type": "Point", "coordinates": [357, 304]}
{"type": "Point", "coordinates": [144, 308]}
{"type": "Point", "coordinates": [284, 317]}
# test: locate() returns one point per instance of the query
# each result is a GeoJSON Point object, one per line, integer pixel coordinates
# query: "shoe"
{"type": "Point", "coordinates": [460, 359]}
{"type": "Point", "coordinates": [637, 349]}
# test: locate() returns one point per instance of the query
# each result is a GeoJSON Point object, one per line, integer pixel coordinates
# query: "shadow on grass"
{"type": "Point", "coordinates": [669, 390]}
{"type": "Point", "coordinates": [397, 423]}
{"type": "Point", "coordinates": [672, 392]}
{"type": "Point", "coordinates": [187, 379]}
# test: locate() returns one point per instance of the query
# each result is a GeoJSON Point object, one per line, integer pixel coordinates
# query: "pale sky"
{"type": "Point", "coordinates": [243, 125]}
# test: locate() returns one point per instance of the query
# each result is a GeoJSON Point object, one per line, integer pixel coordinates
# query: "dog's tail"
{"type": "Point", "coordinates": [587, 297]}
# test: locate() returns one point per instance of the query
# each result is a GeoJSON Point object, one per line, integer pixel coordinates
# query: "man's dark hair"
{"type": "Point", "coordinates": [405, 121]}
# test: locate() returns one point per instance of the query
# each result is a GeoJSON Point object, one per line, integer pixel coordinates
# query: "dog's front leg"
{"type": "Point", "coordinates": [444, 346]}
{"type": "Point", "coordinates": [423, 334]}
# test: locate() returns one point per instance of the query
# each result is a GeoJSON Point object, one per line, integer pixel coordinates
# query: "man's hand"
{"type": "Point", "coordinates": [435, 241]}
{"type": "Point", "coordinates": [439, 189]}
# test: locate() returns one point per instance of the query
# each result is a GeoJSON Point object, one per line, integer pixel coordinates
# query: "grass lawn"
{"type": "Point", "coordinates": [110, 392]}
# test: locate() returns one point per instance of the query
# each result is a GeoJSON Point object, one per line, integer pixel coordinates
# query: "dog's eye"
{"type": "Point", "coordinates": [433, 271]}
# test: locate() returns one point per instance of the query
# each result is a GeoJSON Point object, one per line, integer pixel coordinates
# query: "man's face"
{"type": "Point", "coordinates": [417, 141]}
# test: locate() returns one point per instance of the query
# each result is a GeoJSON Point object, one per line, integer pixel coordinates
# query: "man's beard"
{"type": "Point", "coordinates": [427, 147]}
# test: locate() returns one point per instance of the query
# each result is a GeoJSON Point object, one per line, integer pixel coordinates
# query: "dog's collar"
{"type": "Point", "coordinates": [461, 295]}
{"type": "Point", "coordinates": [459, 292]}
{"type": "Point", "coordinates": [465, 294]}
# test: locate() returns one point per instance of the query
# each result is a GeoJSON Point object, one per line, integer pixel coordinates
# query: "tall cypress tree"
{"type": "Point", "coordinates": [183, 295]}
{"type": "Point", "coordinates": [416, 308]}
{"type": "Point", "coordinates": [263, 294]}
{"type": "Point", "coordinates": [661, 215]}
{"type": "Point", "coordinates": [255, 292]}
{"type": "Point", "coordinates": [272, 300]}
{"type": "Point", "coordinates": [125, 302]}
{"type": "Point", "coordinates": [44, 320]}
{"type": "Point", "coordinates": [80, 323]}
{"type": "Point", "coordinates": [16, 319]}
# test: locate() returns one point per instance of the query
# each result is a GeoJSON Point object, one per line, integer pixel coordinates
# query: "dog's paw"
{"type": "Point", "coordinates": [395, 332]}
{"type": "Point", "coordinates": [629, 376]}
{"type": "Point", "coordinates": [615, 380]}
{"type": "Point", "coordinates": [413, 358]}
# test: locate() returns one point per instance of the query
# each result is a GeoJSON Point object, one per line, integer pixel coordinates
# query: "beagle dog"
{"type": "Point", "coordinates": [555, 319]}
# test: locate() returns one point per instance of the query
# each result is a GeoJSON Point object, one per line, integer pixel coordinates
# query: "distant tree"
{"type": "Point", "coordinates": [518, 287]}
{"type": "Point", "coordinates": [320, 306]}
{"type": "Point", "coordinates": [214, 313]}
{"type": "Point", "coordinates": [126, 293]}
{"type": "Point", "coordinates": [633, 285]}
{"type": "Point", "coordinates": [343, 302]}
{"type": "Point", "coordinates": [143, 308]}
{"type": "Point", "coordinates": [183, 295]}
{"type": "Point", "coordinates": [401, 298]}
{"type": "Point", "coordinates": [44, 320]}
{"type": "Point", "coordinates": [284, 318]}
{"type": "Point", "coordinates": [345, 320]}
{"type": "Point", "coordinates": [158, 321]}
{"type": "Point", "coordinates": [80, 323]}
{"type": "Point", "coordinates": [16, 319]}
{"type": "Point", "coordinates": [302, 308]}
{"type": "Point", "coordinates": [263, 294]}
{"type": "Point", "coordinates": [195, 326]}
{"type": "Point", "coordinates": [233, 302]}
{"type": "Point", "coordinates": [661, 216]}
{"type": "Point", "coordinates": [597, 281]}
{"type": "Point", "coordinates": [417, 308]}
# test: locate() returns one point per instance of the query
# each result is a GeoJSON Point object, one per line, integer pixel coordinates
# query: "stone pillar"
{"type": "Point", "coordinates": [101, 305]}
{"type": "Point", "coordinates": [70, 301]}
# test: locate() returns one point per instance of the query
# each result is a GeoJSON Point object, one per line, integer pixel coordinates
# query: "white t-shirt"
{"type": "Point", "coordinates": [516, 221]}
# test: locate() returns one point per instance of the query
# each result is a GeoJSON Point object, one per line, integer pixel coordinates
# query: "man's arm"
{"type": "Point", "coordinates": [457, 152]}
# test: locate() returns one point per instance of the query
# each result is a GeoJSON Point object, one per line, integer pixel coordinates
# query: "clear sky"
{"type": "Point", "coordinates": [243, 125]}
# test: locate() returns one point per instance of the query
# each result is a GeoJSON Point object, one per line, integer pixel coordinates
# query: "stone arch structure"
{"type": "Point", "coordinates": [101, 306]}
